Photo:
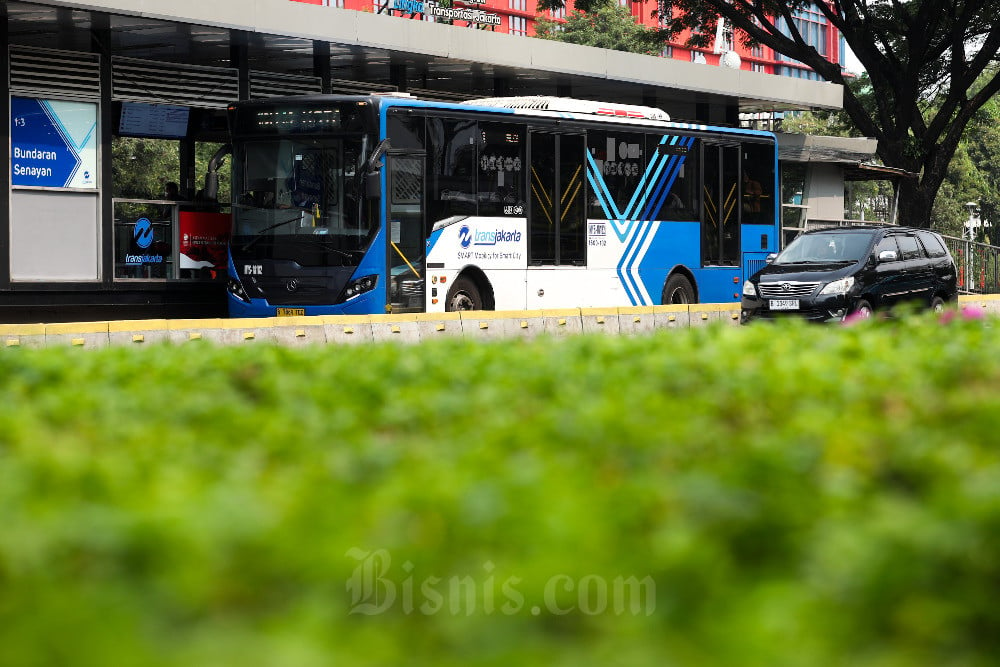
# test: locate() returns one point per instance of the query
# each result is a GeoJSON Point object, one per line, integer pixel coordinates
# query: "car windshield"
{"type": "Point", "coordinates": [826, 248]}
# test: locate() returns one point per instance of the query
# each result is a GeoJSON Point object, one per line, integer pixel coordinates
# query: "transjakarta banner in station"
{"type": "Point", "coordinates": [53, 143]}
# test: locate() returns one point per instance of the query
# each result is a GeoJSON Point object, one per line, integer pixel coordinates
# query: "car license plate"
{"type": "Point", "coordinates": [291, 312]}
{"type": "Point", "coordinates": [784, 304]}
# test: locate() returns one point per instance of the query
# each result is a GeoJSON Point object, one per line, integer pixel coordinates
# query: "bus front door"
{"type": "Point", "coordinates": [405, 233]}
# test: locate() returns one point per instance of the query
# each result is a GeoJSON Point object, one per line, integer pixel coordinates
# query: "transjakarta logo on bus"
{"type": "Point", "coordinates": [466, 237]}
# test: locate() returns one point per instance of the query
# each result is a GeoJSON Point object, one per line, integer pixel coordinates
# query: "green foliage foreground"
{"type": "Point", "coordinates": [759, 496]}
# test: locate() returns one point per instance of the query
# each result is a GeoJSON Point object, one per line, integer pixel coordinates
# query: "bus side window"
{"type": "Point", "coordinates": [451, 168]}
{"type": "Point", "coordinates": [678, 171]}
{"type": "Point", "coordinates": [757, 184]}
{"type": "Point", "coordinates": [621, 159]}
{"type": "Point", "coordinates": [501, 169]}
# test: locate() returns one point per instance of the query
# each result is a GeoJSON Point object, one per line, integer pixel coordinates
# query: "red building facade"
{"type": "Point", "coordinates": [517, 17]}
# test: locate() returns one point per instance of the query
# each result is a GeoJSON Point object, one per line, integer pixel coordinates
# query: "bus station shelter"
{"type": "Point", "coordinates": [81, 76]}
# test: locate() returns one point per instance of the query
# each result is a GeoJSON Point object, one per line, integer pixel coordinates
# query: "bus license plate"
{"type": "Point", "coordinates": [784, 304]}
{"type": "Point", "coordinates": [291, 312]}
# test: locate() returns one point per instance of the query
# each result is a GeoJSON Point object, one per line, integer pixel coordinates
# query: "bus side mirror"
{"type": "Point", "coordinates": [373, 181]}
{"type": "Point", "coordinates": [372, 163]}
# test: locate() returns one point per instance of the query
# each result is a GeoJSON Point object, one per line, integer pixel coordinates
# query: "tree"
{"type": "Point", "coordinates": [606, 25]}
{"type": "Point", "coordinates": [140, 167]}
{"type": "Point", "coordinates": [972, 177]}
{"type": "Point", "coordinates": [924, 60]}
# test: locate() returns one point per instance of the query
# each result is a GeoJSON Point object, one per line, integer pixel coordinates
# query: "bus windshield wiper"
{"type": "Point", "coordinates": [259, 235]}
{"type": "Point", "coordinates": [326, 244]}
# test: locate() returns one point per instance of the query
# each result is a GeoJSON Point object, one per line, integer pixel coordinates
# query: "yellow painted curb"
{"type": "Point", "coordinates": [127, 326]}
{"type": "Point", "coordinates": [63, 328]}
{"type": "Point", "coordinates": [22, 329]}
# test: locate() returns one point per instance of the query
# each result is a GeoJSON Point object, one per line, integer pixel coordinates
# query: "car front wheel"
{"type": "Point", "coordinates": [862, 310]}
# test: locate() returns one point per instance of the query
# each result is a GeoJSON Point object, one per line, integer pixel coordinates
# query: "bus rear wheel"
{"type": "Point", "coordinates": [677, 289]}
{"type": "Point", "coordinates": [463, 295]}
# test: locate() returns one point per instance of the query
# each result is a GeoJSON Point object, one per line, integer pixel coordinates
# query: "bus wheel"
{"type": "Point", "coordinates": [463, 295]}
{"type": "Point", "coordinates": [677, 290]}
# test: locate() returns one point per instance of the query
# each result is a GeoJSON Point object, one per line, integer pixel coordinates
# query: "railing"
{"type": "Point", "coordinates": [978, 265]}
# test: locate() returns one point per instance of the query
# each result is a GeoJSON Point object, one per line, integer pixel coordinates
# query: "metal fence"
{"type": "Point", "coordinates": [978, 265]}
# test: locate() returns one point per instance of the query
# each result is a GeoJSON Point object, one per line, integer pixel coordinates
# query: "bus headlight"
{"type": "Point", "coordinates": [842, 286]}
{"type": "Point", "coordinates": [235, 288]}
{"type": "Point", "coordinates": [749, 290]}
{"type": "Point", "coordinates": [359, 286]}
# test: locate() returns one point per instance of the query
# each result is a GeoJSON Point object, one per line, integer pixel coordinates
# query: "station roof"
{"type": "Point", "coordinates": [364, 46]}
{"type": "Point", "coordinates": [855, 155]}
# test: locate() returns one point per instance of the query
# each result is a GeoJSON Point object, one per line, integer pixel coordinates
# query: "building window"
{"type": "Point", "coordinates": [519, 5]}
{"type": "Point", "coordinates": [558, 13]}
{"type": "Point", "coordinates": [668, 51]}
{"type": "Point", "coordinates": [518, 24]}
{"type": "Point", "coordinates": [812, 25]}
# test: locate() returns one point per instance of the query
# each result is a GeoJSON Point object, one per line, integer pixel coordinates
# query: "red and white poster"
{"type": "Point", "coordinates": [204, 240]}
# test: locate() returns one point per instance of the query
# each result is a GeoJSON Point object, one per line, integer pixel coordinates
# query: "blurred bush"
{"type": "Point", "coordinates": [768, 495]}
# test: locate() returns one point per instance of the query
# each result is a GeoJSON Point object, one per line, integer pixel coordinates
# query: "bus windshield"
{"type": "Point", "coordinates": [301, 198]}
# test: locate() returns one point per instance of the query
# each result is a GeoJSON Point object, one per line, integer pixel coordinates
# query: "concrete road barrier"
{"type": "Point", "coordinates": [562, 321]}
{"type": "Point", "coordinates": [403, 328]}
{"type": "Point", "coordinates": [77, 334]}
{"type": "Point", "coordinates": [634, 320]}
{"type": "Point", "coordinates": [348, 329]}
{"type": "Point", "coordinates": [438, 325]}
{"type": "Point", "coordinates": [138, 332]}
{"type": "Point", "coordinates": [22, 335]}
{"type": "Point", "coordinates": [600, 320]}
{"type": "Point", "coordinates": [671, 317]}
{"type": "Point", "coordinates": [294, 331]}
{"type": "Point", "coordinates": [503, 324]}
{"type": "Point", "coordinates": [194, 331]}
{"type": "Point", "coordinates": [988, 303]}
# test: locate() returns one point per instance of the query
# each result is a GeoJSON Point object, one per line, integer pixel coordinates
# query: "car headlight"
{"type": "Point", "coordinates": [359, 286]}
{"type": "Point", "coordinates": [842, 286]}
{"type": "Point", "coordinates": [749, 289]}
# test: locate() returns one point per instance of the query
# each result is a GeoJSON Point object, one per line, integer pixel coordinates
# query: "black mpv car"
{"type": "Point", "coordinates": [828, 274]}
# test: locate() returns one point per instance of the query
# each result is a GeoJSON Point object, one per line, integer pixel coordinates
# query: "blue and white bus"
{"type": "Point", "coordinates": [373, 204]}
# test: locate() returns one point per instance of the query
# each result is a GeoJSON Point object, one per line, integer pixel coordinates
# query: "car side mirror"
{"type": "Point", "coordinates": [887, 256]}
{"type": "Point", "coordinates": [770, 258]}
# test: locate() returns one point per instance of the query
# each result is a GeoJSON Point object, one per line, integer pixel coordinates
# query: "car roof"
{"type": "Point", "coordinates": [854, 229]}
{"type": "Point", "coordinates": [868, 229]}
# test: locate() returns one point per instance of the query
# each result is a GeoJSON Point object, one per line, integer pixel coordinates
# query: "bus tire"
{"type": "Point", "coordinates": [677, 290]}
{"type": "Point", "coordinates": [463, 295]}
